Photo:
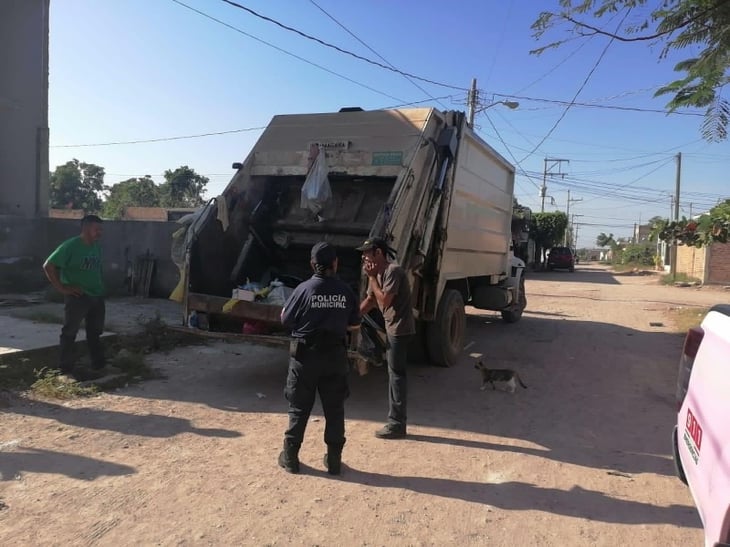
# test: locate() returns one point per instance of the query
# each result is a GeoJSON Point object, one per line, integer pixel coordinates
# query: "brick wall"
{"type": "Point", "coordinates": [691, 261]}
{"type": "Point", "coordinates": [719, 267]}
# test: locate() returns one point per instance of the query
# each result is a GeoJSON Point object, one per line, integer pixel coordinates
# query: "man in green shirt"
{"type": "Point", "coordinates": [75, 270]}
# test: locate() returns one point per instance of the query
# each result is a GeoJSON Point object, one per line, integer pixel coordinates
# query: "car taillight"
{"type": "Point", "coordinates": [692, 341]}
{"type": "Point", "coordinates": [691, 346]}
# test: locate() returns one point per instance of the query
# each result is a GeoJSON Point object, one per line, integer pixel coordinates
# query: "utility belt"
{"type": "Point", "coordinates": [319, 341]}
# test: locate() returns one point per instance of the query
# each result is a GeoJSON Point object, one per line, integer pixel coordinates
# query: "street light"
{"type": "Point", "coordinates": [474, 109]}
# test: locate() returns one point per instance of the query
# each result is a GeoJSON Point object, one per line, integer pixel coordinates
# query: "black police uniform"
{"type": "Point", "coordinates": [318, 312]}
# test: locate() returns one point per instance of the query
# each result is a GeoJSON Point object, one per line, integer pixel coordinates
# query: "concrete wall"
{"type": "Point", "coordinates": [692, 261]}
{"type": "Point", "coordinates": [24, 107]}
{"type": "Point", "coordinates": [123, 242]}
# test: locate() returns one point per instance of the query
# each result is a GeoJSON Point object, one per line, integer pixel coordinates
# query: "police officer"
{"type": "Point", "coordinates": [319, 313]}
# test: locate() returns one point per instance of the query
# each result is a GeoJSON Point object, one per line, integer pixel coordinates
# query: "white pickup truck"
{"type": "Point", "coordinates": [701, 438]}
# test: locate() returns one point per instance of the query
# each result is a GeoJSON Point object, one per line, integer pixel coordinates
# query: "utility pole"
{"type": "Point", "coordinates": [545, 173]}
{"type": "Point", "coordinates": [567, 213]}
{"type": "Point", "coordinates": [690, 211]}
{"type": "Point", "coordinates": [673, 264]}
{"type": "Point", "coordinates": [473, 101]}
{"type": "Point", "coordinates": [574, 229]}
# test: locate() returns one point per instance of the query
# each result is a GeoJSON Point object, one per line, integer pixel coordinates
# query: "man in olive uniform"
{"type": "Point", "coordinates": [75, 270]}
{"type": "Point", "coordinates": [390, 291]}
{"type": "Point", "coordinates": [319, 313]}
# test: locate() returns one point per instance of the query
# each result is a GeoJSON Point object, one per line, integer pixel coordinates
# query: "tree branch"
{"type": "Point", "coordinates": [596, 30]}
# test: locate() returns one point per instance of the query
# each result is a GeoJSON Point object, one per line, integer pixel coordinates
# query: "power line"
{"type": "Point", "coordinates": [213, 133]}
{"type": "Point", "coordinates": [596, 105]}
{"type": "Point", "coordinates": [161, 139]}
{"type": "Point", "coordinates": [437, 99]}
{"type": "Point", "coordinates": [582, 86]}
{"type": "Point", "coordinates": [557, 66]}
{"type": "Point", "coordinates": [517, 163]}
{"type": "Point", "coordinates": [289, 53]}
{"type": "Point", "coordinates": [342, 26]}
{"type": "Point", "coordinates": [500, 40]}
{"type": "Point", "coordinates": [337, 48]}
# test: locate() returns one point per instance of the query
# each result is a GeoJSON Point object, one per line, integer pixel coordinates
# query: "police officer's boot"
{"type": "Point", "coordinates": [289, 458]}
{"type": "Point", "coordinates": [333, 459]}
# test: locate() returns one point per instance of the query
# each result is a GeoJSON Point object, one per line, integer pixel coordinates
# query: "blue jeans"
{"type": "Point", "coordinates": [398, 380]}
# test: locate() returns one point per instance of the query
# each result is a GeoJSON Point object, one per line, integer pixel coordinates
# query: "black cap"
{"type": "Point", "coordinates": [323, 254]}
{"type": "Point", "coordinates": [374, 243]}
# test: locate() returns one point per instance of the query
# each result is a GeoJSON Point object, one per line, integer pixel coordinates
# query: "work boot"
{"type": "Point", "coordinates": [333, 459]}
{"type": "Point", "coordinates": [289, 458]}
{"type": "Point", "coordinates": [391, 431]}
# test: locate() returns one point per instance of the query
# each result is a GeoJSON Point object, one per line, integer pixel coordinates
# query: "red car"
{"type": "Point", "coordinates": [562, 258]}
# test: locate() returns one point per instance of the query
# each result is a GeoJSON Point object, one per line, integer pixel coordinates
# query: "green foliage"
{"type": "Point", "coordinates": [135, 192]}
{"type": "Point", "coordinates": [548, 229]}
{"type": "Point", "coordinates": [77, 185]}
{"type": "Point", "coordinates": [698, 26]}
{"type": "Point", "coordinates": [713, 227]}
{"type": "Point", "coordinates": [604, 240]}
{"type": "Point", "coordinates": [183, 187]}
{"type": "Point", "coordinates": [639, 254]}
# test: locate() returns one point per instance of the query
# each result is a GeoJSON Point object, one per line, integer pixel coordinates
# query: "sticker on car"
{"type": "Point", "coordinates": [693, 436]}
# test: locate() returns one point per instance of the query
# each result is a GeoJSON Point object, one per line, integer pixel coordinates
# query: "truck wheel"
{"type": "Point", "coordinates": [514, 314]}
{"type": "Point", "coordinates": [446, 333]}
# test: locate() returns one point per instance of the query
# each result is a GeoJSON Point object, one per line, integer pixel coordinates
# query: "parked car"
{"type": "Point", "coordinates": [561, 257]}
{"type": "Point", "coordinates": [702, 435]}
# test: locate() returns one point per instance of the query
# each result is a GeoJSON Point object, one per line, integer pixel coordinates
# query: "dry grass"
{"type": "Point", "coordinates": [684, 319]}
{"type": "Point", "coordinates": [35, 371]}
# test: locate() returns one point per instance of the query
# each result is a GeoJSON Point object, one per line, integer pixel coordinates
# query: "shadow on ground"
{"type": "Point", "coordinates": [516, 496]}
{"type": "Point", "coordinates": [580, 275]}
{"type": "Point", "coordinates": [34, 460]}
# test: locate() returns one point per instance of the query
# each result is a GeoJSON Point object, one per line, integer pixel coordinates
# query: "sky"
{"type": "Point", "coordinates": [131, 70]}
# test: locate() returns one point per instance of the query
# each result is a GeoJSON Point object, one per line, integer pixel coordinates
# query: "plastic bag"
{"type": "Point", "coordinates": [316, 191]}
{"type": "Point", "coordinates": [278, 296]}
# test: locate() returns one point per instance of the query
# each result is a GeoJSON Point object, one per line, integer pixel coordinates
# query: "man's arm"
{"type": "Point", "coordinates": [53, 275]}
{"type": "Point", "coordinates": [290, 309]}
{"type": "Point", "coordinates": [368, 304]}
{"type": "Point", "coordinates": [384, 294]}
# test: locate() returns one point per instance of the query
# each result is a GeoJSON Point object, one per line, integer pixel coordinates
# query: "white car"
{"type": "Point", "coordinates": [701, 438]}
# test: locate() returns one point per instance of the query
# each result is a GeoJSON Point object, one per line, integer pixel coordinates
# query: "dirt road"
{"type": "Point", "coordinates": [581, 457]}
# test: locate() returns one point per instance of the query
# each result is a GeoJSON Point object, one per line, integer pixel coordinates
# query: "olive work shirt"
{"type": "Point", "coordinates": [398, 316]}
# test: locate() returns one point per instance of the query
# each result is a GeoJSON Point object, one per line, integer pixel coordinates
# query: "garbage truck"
{"type": "Point", "coordinates": [420, 178]}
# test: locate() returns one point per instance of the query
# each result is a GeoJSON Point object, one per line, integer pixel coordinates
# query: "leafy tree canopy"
{"type": "Point", "coordinates": [135, 192]}
{"type": "Point", "coordinates": [712, 227]}
{"type": "Point", "coordinates": [183, 187]}
{"type": "Point", "coordinates": [76, 185]}
{"type": "Point", "coordinates": [699, 27]}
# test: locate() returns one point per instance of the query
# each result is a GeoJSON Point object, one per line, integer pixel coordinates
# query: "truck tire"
{"type": "Point", "coordinates": [514, 314]}
{"type": "Point", "coordinates": [446, 333]}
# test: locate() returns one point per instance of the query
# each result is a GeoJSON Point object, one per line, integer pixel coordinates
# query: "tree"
{"type": "Point", "coordinates": [135, 192]}
{"type": "Point", "coordinates": [712, 227]}
{"type": "Point", "coordinates": [547, 230]}
{"type": "Point", "coordinates": [183, 187]}
{"type": "Point", "coordinates": [76, 185]}
{"type": "Point", "coordinates": [604, 240]}
{"type": "Point", "coordinates": [698, 26]}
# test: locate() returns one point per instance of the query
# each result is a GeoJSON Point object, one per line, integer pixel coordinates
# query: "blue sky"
{"type": "Point", "coordinates": [136, 70]}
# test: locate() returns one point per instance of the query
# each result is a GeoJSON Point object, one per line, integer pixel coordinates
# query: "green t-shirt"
{"type": "Point", "coordinates": [80, 265]}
